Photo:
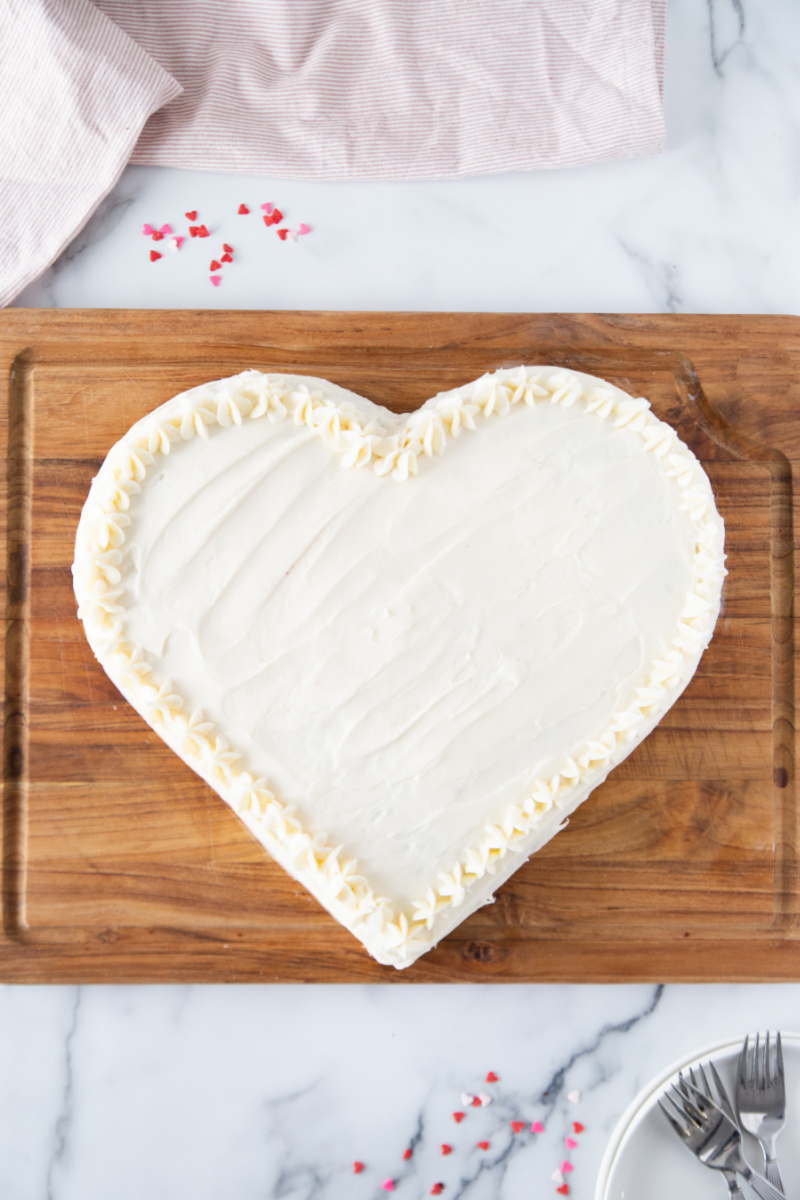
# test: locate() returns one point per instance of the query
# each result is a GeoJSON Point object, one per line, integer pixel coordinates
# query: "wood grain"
{"type": "Point", "coordinates": [120, 864]}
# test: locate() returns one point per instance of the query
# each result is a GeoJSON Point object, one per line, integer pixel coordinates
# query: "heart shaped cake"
{"type": "Point", "coordinates": [403, 648]}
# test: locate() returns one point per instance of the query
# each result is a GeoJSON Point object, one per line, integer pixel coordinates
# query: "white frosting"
{"type": "Point", "coordinates": [403, 691]}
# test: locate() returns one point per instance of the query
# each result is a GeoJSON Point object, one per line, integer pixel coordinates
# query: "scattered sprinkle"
{"type": "Point", "coordinates": [292, 236]}
{"type": "Point", "coordinates": [147, 230]}
{"type": "Point", "coordinates": [437, 1189]}
{"type": "Point", "coordinates": [215, 279]}
{"type": "Point", "coordinates": [407, 1154]}
{"type": "Point", "coordinates": [388, 1185]}
{"type": "Point", "coordinates": [446, 1149]}
{"type": "Point", "coordinates": [267, 208]}
{"type": "Point", "coordinates": [458, 1117]}
{"type": "Point", "coordinates": [242, 209]}
{"type": "Point", "coordinates": [301, 229]}
{"type": "Point", "coordinates": [194, 230]}
{"type": "Point", "coordinates": [176, 243]}
{"type": "Point", "coordinates": [157, 237]}
{"type": "Point", "coordinates": [154, 255]}
{"type": "Point", "coordinates": [537, 1127]}
{"type": "Point", "coordinates": [483, 1145]}
{"type": "Point", "coordinates": [466, 1099]}
{"type": "Point", "coordinates": [192, 216]}
{"type": "Point", "coordinates": [228, 249]}
{"type": "Point", "coordinates": [557, 1177]}
{"type": "Point", "coordinates": [476, 1101]}
{"type": "Point", "coordinates": [226, 258]}
{"type": "Point", "coordinates": [215, 266]}
{"type": "Point", "coordinates": [358, 1168]}
{"type": "Point", "coordinates": [570, 1143]}
{"type": "Point", "coordinates": [491, 1077]}
{"type": "Point", "coordinates": [165, 229]}
{"type": "Point", "coordinates": [202, 231]}
{"type": "Point", "coordinates": [574, 1097]}
{"type": "Point", "coordinates": [282, 234]}
{"type": "Point", "coordinates": [518, 1126]}
{"type": "Point", "coordinates": [563, 1190]}
{"type": "Point", "coordinates": [484, 1099]}
{"type": "Point", "coordinates": [577, 1127]}
{"type": "Point", "coordinates": [566, 1167]}
{"type": "Point", "coordinates": [277, 216]}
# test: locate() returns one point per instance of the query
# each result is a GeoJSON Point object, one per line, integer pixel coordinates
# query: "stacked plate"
{"type": "Point", "coordinates": [646, 1161]}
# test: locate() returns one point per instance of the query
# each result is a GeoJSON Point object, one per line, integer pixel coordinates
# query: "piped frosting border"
{"type": "Point", "coordinates": [393, 447]}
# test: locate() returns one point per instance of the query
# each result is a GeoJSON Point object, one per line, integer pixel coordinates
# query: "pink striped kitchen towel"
{"type": "Point", "coordinates": [310, 89]}
{"type": "Point", "coordinates": [400, 89]}
{"type": "Point", "coordinates": [75, 92]}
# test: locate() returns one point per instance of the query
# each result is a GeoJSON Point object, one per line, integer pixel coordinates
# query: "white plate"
{"type": "Point", "coordinates": [645, 1159]}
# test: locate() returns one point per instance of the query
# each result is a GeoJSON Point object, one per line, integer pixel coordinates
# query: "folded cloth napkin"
{"type": "Point", "coordinates": [400, 89]}
{"type": "Point", "coordinates": [75, 92]}
{"type": "Point", "coordinates": [312, 89]}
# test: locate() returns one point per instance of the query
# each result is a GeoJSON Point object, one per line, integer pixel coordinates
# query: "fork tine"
{"type": "Point", "coordinates": [705, 1088]}
{"type": "Point", "coordinates": [779, 1059]}
{"type": "Point", "coordinates": [685, 1106]}
{"type": "Point", "coordinates": [724, 1098]}
{"type": "Point", "coordinates": [757, 1073]}
{"type": "Point", "coordinates": [681, 1132]}
{"type": "Point", "coordinates": [742, 1069]}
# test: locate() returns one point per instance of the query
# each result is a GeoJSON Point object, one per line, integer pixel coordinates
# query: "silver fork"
{"type": "Point", "coordinates": [761, 1099]}
{"type": "Point", "coordinates": [735, 1192]}
{"type": "Point", "coordinates": [712, 1136]}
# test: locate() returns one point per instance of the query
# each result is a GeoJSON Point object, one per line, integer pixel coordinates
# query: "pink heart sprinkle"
{"type": "Point", "coordinates": [177, 242]}
{"type": "Point", "coordinates": [215, 279]}
{"type": "Point", "coordinates": [301, 229]}
{"type": "Point", "coordinates": [147, 230]}
{"type": "Point", "coordinates": [388, 1185]}
{"type": "Point", "coordinates": [537, 1127]}
{"type": "Point", "coordinates": [566, 1167]}
{"type": "Point", "coordinates": [165, 229]}
{"type": "Point", "coordinates": [570, 1143]}
{"type": "Point", "coordinates": [267, 208]}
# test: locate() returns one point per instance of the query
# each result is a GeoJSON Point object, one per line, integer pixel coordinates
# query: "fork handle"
{"type": "Point", "coordinates": [764, 1189]}
{"type": "Point", "coordinates": [772, 1173]}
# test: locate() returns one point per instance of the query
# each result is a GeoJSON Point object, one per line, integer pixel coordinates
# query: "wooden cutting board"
{"type": "Point", "coordinates": [119, 864]}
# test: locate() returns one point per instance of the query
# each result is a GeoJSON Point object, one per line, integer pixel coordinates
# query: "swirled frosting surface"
{"type": "Point", "coordinates": [401, 666]}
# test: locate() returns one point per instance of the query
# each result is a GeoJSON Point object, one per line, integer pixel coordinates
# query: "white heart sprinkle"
{"type": "Point", "coordinates": [574, 1097]}
{"type": "Point", "coordinates": [484, 1099]}
{"type": "Point", "coordinates": [557, 1177]}
{"type": "Point", "coordinates": [466, 1099]}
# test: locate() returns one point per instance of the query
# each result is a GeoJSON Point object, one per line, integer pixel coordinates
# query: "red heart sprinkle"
{"type": "Point", "coordinates": [269, 220]}
{"type": "Point", "coordinates": [202, 231]}
{"type": "Point", "coordinates": [358, 1168]}
{"type": "Point", "coordinates": [282, 235]}
{"type": "Point", "coordinates": [577, 1127]}
{"type": "Point", "coordinates": [446, 1149]}
{"type": "Point", "coordinates": [226, 258]}
{"type": "Point", "coordinates": [491, 1077]}
{"type": "Point", "coordinates": [406, 1155]}
{"type": "Point", "coordinates": [154, 255]}
{"type": "Point", "coordinates": [458, 1118]}
{"type": "Point", "coordinates": [476, 1101]}
{"type": "Point", "coordinates": [483, 1145]}
{"type": "Point", "coordinates": [157, 237]}
{"type": "Point", "coordinates": [228, 249]}
{"type": "Point", "coordinates": [243, 209]}
{"type": "Point", "coordinates": [214, 265]}
{"type": "Point", "coordinates": [563, 1190]}
{"type": "Point", "coordinates": [437, 1189]}
{"type": "Point", "coordinates": [518, 1126]}
{"type": "Point", "coordinates": [194, 230]}
{"type": "Point", "coordinates": [192, 216]}
{"type": "Point", "coordinates": [277, 216]}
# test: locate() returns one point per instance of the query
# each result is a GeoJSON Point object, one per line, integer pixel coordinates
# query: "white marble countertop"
{"type": "Point", "coordinates": [204, 1092]}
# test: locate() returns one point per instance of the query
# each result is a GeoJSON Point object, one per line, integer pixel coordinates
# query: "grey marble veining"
{"type": "Point", "coordinates": [257, 1092]}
